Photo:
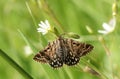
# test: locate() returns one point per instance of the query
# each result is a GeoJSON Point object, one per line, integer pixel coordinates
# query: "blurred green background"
{"type": "Point", "coordinates": [19, 21]}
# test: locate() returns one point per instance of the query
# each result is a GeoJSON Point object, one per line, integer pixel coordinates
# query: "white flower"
{"type": "Point", "coordinates": [108, 27]}
{"type": "Point", "coordinates": [44, 27]}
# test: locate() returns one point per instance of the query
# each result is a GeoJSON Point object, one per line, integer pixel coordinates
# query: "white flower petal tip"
{"type": "Point", "coordinates": [44, 27]}
{"type": "Point", "coordinates": [102, 31]}
{"type": "Point", "coordinates": [108, 27]}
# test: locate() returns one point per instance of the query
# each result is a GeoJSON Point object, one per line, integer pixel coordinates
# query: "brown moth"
{"type": "Point", "coordinates": [63, 51]}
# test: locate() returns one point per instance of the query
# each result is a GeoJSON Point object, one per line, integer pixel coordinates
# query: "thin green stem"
{"type": "Point", "coordinates": [49, 11]}
{"type": "Point", "coordinates": [15, 65]}
{"type": "Point", "coordinates": [28, 7]}
{"type": "Point", "coordinates": [27, 41]}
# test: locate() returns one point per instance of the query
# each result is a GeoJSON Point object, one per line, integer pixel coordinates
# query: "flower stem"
{"type": "Point", "coordinates": [50, 12]}
{"type": "Point", "coordinates": [15, 65]}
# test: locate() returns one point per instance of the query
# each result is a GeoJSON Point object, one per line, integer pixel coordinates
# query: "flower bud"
{"type": "Point", "coordinates": [114, 9]}
{"type": "Point", "coordinates": [73, 35]}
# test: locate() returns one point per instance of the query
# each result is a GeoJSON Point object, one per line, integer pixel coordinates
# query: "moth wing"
{"type": "Point", "coordinates": [51, 54]}
{"type": "Point", "coordinates": [40, 57]}
{"type": "Point", "coordinates": [75, 51]}
{"type": "Point", "coordinates": [45, 55]}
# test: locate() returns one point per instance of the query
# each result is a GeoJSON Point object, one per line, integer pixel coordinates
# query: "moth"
{"type": "Point", "coordinates": [63, 51]}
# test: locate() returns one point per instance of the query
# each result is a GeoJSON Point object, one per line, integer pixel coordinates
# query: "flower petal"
{"type": "Point", "coordinates": [41, 30]}
{"type": "Point", "coordinates": [42, 25]}
{"type": "Point", "coordinates": [106, 26]}
{"type": "Point", "coordinates": [103, 31]}
{"type": "Point", "coordinates": [112, 22]}
{"type": "Point", "coordinates": [47, 24]}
